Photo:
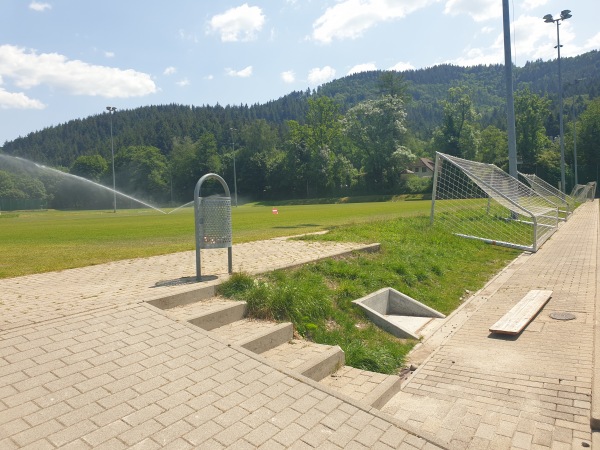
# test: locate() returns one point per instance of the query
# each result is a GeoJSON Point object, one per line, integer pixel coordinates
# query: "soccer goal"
{"type": "Point", "coordinates": [565, 203]}
{"type": "Point", "coordinates": [481, 201]}
{"type": "Point", "coordinates": [584, 192]}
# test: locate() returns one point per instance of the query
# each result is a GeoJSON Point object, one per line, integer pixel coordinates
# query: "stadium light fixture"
{"type": "Point", "coordinates": [548, 18]}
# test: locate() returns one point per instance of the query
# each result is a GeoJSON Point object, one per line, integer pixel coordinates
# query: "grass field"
{"type": "Point", "coordinates": [42, 241]}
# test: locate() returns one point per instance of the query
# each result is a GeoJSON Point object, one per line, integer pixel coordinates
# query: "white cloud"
{"type": "Point", "coordinates": [209, 77]}
{"type": "Point", "coordinates": [476, 56]}
{"type": "Point", "coordinates": [592, 43]}
{"type": "Point", "coordinates": [288, 76]}
{"type": "Point", "coordinates": [532, 39]}
{"type": "Point", "coordinates": [183, 83]}
{"type": "Point", "coordinates": [487, 30]}
{"type": "Point", "coordinates": [479, 10]}
{"type": "Point", "coordinates": [28, 69]}
{"type": "Point", "coordinates": [18, 100]}
{"type": "Point", "coordinates": [531, 4]}
{"type": "Point", "coordinates": [402, 66]}
{"type": "Point", "coordinates": [170, 70]}
{"type": "Point", "coordinates": [367, 67]}
{"type": "Point", "coordinates": [238, 24]}
{"type": "Point", "coordinates": [244, 73]}
{"type": "Point", "coordinates": [109, 54]}
{"type": "Point", "coordinates": [320, 75]}
{"type": "Point", "coordinates": [40, 7]}
{"type": "Point", "coordinates": [349, 19]}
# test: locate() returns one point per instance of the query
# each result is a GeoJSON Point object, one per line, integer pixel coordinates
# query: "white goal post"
{"type": "Point", "coordinates": [480, 201]}
{"type": "Point", "coordinates": [566, 204]}
{"type": "Point", "coordinates": [584, 192]}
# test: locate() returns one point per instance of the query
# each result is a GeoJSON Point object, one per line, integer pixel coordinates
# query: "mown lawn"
{"type": "Point", "coordinates": [42, 241]}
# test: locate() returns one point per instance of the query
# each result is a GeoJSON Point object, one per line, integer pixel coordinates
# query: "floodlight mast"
{"type": "Point", "coordinates": [510, 104]}
{"type": "Point", "coordinates": [564, 15]}
{"type": "Point", "coordinates": [111, 110]}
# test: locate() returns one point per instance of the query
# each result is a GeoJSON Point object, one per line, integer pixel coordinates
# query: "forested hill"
{"type": "Point", "coordinates": [157, 126]}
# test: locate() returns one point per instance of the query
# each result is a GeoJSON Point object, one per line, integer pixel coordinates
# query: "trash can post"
{"type": "Point", "coordinates": [212, 222]}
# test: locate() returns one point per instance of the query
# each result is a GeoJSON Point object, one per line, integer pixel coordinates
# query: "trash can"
{"type": "Point", "coordinates": [213, 221]}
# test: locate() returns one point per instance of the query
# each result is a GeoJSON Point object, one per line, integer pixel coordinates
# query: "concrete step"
{"type": "Point", "coordinates": [373, 389]}
{"type": "Point", "coordinates": [315, 361]}
{"type": "Point", "coordinates": [184, 298]}
{"type": "Point", "coordinates": [212, 313]}
{"type": "Point", "coordinates": [274, 341]}
{"type": "Point", "coordinates": [257, 336]}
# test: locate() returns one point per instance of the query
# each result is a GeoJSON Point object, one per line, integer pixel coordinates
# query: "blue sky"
{"type": "Point", "coordinates": [69, 59]}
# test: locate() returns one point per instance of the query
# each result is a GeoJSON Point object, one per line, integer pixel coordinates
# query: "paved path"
{"type": "Point", "coordinates": [531, 391]}
{"type": "Point", "coordinates": [85, 362]}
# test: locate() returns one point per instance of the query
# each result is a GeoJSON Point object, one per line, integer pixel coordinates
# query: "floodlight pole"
{"type": "Point", "coordinates": [510, 103]}
{"type": "Point", "coordinates": [111, 110]}
{"type": "Point", "coordinates": [574, 118]}
{"type": "Point", "coordinates": [565, 14]}
{"type": "Point", "coordinates": [234, 174]}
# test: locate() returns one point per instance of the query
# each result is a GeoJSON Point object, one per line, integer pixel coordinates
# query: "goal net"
{"type": "Point", "coordinates": [584, 192]}
{"type": "Point", "coordinates": [481, 201]}
{"type": "Point", "coordinates": [565, 203]}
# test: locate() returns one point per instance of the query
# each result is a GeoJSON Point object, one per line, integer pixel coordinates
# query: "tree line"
{"type": "Point", "coordinates": [353, 136]}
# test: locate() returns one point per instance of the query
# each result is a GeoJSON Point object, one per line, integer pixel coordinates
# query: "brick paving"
{"type": "Point", "coordinates": [480, 390]}
{"type": "Point", "coordinates": [34, 298]}
{"type": "Point", "coordinates": [85, 362]}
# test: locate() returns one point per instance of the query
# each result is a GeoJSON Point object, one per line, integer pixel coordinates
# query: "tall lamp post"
{"type": "Point", "coordinates": [234, 174]}
{"type": "Point", "coordinates": [111, 110]}
{"type": "Point", "coordinates": [510, 102]}
{"type": "Point", "coordinates": [574, 118]}
{"type": "Point", "coordinates": [564, 15]}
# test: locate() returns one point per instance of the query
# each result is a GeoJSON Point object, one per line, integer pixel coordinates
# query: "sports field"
{"type": "Point", "coordinates": [42, 241]}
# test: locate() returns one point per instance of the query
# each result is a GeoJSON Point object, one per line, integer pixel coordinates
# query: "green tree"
{"type": "Point", "coordinates": [91, 167]}
{"type": "Point", "coordinates": [377, 130]}
{"type": "Point", "coordinates": [313, 146]}
{"type": "Point", "coordinates": [459, 133]}
{"type": "Point", "coordinates": [190, 160]}
{"type": "Point", "coordinates": [183, 170]}
{"type": "Point", "coordinates": [494, 147]}
{"type": "Point", "coordinates": [258, 157]}
{"type": "Point", "coordinates": [8, 188]}
{"type": "Point", "coordinates": [393, 83]}
{"type": "Point", "coordinates": [588, 139]}
{"type": "Point", "coordinates": [142, 171]}
{"type": "Point", "coordinates": [531, 111]}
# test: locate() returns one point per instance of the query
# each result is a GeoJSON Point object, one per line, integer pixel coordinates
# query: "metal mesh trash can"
{"type": "Point", "coordinates": [213, 221]}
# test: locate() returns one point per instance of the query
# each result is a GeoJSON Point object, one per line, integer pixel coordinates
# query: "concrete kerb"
{"type": "Point", "coordinates": [313, 384]}
{"type": "Point", "coordinates": [595, 407]}
{"type": "Point", "coordinates": [203, 290]}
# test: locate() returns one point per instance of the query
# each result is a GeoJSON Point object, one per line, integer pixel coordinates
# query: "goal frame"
{"type": "Point", "coordinates": [514, 215]}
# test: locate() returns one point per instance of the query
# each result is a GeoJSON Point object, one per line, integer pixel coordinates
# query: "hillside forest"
{"type": "Point", "coordinates": [357, 135]}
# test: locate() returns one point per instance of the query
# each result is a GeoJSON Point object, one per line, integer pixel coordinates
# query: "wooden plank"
{"type": "Point", "coordinates": [515, 320]}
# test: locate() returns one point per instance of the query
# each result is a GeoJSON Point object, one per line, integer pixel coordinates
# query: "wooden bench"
{"type": "Point", "coordinates": [515, 320]}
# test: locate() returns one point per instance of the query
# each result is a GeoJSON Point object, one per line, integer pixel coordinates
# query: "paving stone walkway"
{"type": "Point", "coordinates": [86, 363]}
